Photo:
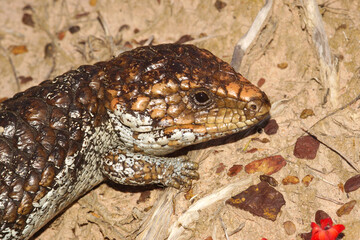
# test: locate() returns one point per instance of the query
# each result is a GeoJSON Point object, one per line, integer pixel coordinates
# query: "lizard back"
{"type": "Point", "coordinates": [115, 120]}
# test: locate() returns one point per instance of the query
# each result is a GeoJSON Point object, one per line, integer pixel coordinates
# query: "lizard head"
{"type": "Point", "coordinates": [162, 98]}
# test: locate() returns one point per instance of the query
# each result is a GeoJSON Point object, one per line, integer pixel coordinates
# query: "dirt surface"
{"type": "Point", "coordinates": [102, 29]}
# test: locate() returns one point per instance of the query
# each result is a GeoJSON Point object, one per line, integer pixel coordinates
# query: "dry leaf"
{"type": "Point", "coordinates": [267, 165]}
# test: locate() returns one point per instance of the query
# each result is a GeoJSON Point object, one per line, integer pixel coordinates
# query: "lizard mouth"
{"type": "Point", "coordinates": [189, 138]}
{"type": "Point", "coordinates": [197, 133]}
{"type": "Point", "coordinates": [204, 125]}
{"type": "Point", "coordinates": [224, 121]}
{"type": "Point", "coordinates": [221, 122]}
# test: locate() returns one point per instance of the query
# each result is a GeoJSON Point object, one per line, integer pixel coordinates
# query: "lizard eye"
{"type": "Point", "coordinates": [201, 97]}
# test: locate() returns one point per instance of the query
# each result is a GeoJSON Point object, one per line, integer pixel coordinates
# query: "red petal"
{"type": "Point", "coordinates": [329, 234]}
{"type": "Point", "coordinates": [314, 226]}
{"type": "Point", "coordinates": [339, 227]}
{"type": "Point", "coordinates": [335, 231]}
{"type": "Point", "coordinates": [315, 237]}
{"type": "Point", "coordinates": [324, 236]}
{"type": "Point", "coordinates": [315, 231]}
{"type": "Point", "coordinates": [325, 222]}
{"type": "Point", "coordinates": [332, 233]}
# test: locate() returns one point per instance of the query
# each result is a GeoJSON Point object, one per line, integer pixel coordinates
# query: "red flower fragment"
{"type": "Point", "coordinates": [326, 230]}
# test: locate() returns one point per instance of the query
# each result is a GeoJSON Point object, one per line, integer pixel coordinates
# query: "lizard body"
{"type": "Point", "coordinates": [115, 120]}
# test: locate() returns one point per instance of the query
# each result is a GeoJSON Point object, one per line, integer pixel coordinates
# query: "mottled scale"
{"type": "Point", "coordinates": [115, 120]}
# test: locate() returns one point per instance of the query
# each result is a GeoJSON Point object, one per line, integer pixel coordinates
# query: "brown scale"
{"type": "Point", "coordinates": [43, 125]}
{"type": "Point", "coordinates": [36, 139]}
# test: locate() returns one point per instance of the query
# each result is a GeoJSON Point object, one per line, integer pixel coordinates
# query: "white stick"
{"type": "Point", "coordinates": [192, 215]}
{"type": "Point", "coordinates": [249, 37]}
{"type": "Point", "coordinates": [328, 71]}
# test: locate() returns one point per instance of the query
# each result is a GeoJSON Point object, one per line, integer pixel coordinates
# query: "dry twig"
{"type": "Point", "coordinates": [192, 213]}
{"type": "Point", "coordinates": [246, 40]}
{"type": "Point", "coordinates": [6, 54]}
{"type": "Point", "coordinates": [328, 64]}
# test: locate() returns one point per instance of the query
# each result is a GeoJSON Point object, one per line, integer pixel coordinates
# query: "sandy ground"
{"type": "Point", "coordinates": [117, 212]}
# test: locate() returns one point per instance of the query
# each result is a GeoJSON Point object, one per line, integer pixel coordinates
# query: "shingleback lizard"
{"type": "Point", "coordinates": [115, 120]}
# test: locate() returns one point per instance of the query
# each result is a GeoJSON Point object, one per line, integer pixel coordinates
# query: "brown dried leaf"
{"type": "Point", "coordinates": [260, 200]}
{"type": "Point", "coordinates": [234, 170]}
{"type": "Point", "coordinates": [92, 3]}
{"type": "Point", "coordinates": [260, 82]}
{"type": "Point", "coordinates": [319, 215]}
{"type": "Point", "coordinates": [306, 147]}
{"type": "Point", "coordinates": [27, 20]}
{"type": "Point", "coordinates": [352, 184]}
{"type": "Point", "coordinates": [220, 168]}
{"type": "Point", "coordinates": [271, 128]}
{"type": "Point", "coordinates": [61, 35]}
{"type": "Point", "coordinates": [267, 165]}
{"type": "Point", "coordinates": [219, 5]}
{"type": "Point", "coordinates": [24, 79]}
{"type": "Point", "coordinates": [289, 227]}
{"type": "Point", "coordinates": [270, 180]}
{"type": "Point", "coordinates": [18, 49]}
{"type": "Point", "coordinates": [346, 208]}
{"type": "Point", "coordinates": [341, 187]}
{"type": "Point", "coordinates": [307, 180]}
{"type": "Point", "coordinates": [282, 65]}
{"type": "Point", "coordinates": [252, 150]}
{"type": "Point", "coordinates": [74, 29]}
{"type": "Point", "coordinates": [290, 180]}
{"type": "Point", "coordinates": [307, 113]}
